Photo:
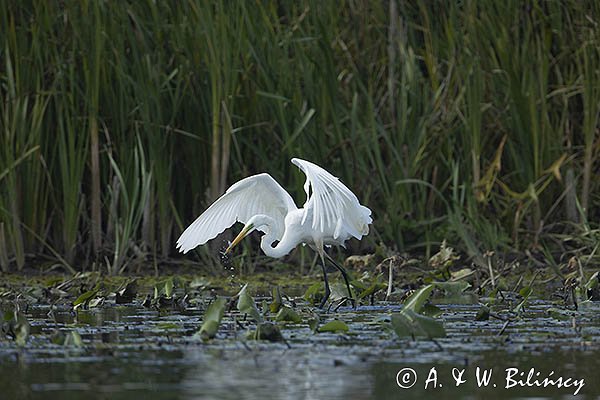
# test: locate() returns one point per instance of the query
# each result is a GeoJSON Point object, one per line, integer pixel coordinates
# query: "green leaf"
{"type": "Point", "coordinates": [96, 302]}
{"type": "Point", "coordinates": [73, 338]}
{"type": "Point", "coordinates": [277, 300]}
{"type": "Point", "coordinates": [334, 326]}
{"type": "Point", "coordinates": [199, 282]}
{"type": "Point", "coordinates": [314, 293]}
{"type": "Point", "coordinates": [417, 299]}
{"type": "Point", "coordinates": [21, 328]}
{"type": "Point", "coordinates": [453, 288]}
{"type": "Point", "coordinates": [561, 315]}
{"type": "Point", "coordinates": [127, 294]}
{"type": "Point", "coordinates": [431, 311]}
{"type": "Point", "coordinates": [212, 319]}
{"type": "Point", "coordinates": [169, 287]}
{"type": "Point", "coordinates": [313, 323]}
{"type": "Point", "coordinates": [246, 304]}
{"type": "Point", "coordinates": [85, 297]}
{"type": "Point", "coordinates": [267, 331]}
{"type": "Point", "coordinates": [409, 323]}
{"type": "Point", "coordinates": [287, 314]}
{"type": "Point", "coordinates": [374, 288]}
{"type": "Point", "coordinates": [483, 314]}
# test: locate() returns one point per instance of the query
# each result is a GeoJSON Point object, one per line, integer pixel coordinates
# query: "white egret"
{"type": "Point", "coordinates": [331, 215]}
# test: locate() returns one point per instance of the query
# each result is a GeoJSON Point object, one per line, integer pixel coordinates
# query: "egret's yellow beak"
{"type": "Point", "coordinates": [245, 232]}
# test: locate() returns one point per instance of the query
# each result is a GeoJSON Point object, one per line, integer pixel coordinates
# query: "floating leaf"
{"type": "Point", "coordinates": [453, 288]}
{"type": "Point", "coordinates": [169, 287]}
{"type": "Point", "coordinates": [167, 325]}
{"type": "Point", "coordinates": [416, 301]}
{"type": "Point", "coordinates": [246, 304]}
{"type": "Point", "coordinates": [314, 293]}
{"type": "Point", "coordinates": [277, 300]}
{"type": "Point", "coordinates": [85, 297]}
{"type": "Point", "coordinates": [286, 314]}
{"type": "Point", "coordinates": [374, 288]}
{"type": "Point", "coordinates": [267, 331]}
{"type": "Point", "coordinates": [313, 323]}
{"type": "Point", "coordinates": [73, 338]}
{"type": "Point", "coordinates": [21, 328]}
{"type": "Point", "coordinates": [334, 326]}
{"type": "Point", "coordinates": [431, 311]}
{"type": "Point", "coordinates": [483, 314]}
{"type": "Point", "coordinates": [127, 294]}
{"type": "Point", "coordinates": [212, 319]}
{"type": "Point", "coordinates": [199, 282]}
{"type": "Point", "coordinates": [409, 323]}
{"type": "Point", "coordinates": [96, 302]}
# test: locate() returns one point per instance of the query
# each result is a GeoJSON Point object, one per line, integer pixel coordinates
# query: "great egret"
{"type": "Point", "coordinates": [331, 215]}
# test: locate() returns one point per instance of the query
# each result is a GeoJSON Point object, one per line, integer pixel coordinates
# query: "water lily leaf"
{"type": "Point", "coordinates": [212, 319]}
{"type": "Point", "coordinates": [21, 328]}
{"type": "Point", "coordinates": [313, 323]}
{"type": "Point", "coordinates": [167, 325]}
{"type": "Point", "coordinates": [96, 302]}
{"type": "Point", "coordinates": [287, 314]}
{"type": "Point", "coordinates": [334, 326]}
{"type": "Point", "coordinates": [314, 293]}
{"type": "Point", "coordinates": [169, 287]}
{"type": "Point", "coordinates": [409, 323]}
{"type": "Point", "coordinates": [246, 304]}
{"type": "Point", "coordinates": [277, 300]}
{"type": "Point", "coordinates": [558, 314]}
{"type": "Point", "coordinates": [73, 338]}
{"type": "Point", "coordinates": [267, 331]}
{"type": "Point", "coordinates": [374, 288]}
{"type": "Point", "coordinates": [431, 311]}
{"type": "Point", "coordinates": [416, 301]}
{"type": "Point", "coordinates": [85, 297]}
{"type": "Point", "coordinates": [525, 292]}
{"type": "Point", "coordinates": [453, 288]}
{"type": "Point", "coordinates": [483, 314]}
{"type": "Point", "coordinates": [339, 291]}
{"type": "Point", "coordinates": [199, 282]}
{"type": "Point", "coordinates": [127, 294]}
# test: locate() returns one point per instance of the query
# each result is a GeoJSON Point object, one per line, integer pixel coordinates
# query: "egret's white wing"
{"type": "Point", "coordinates": [334, 207]}
{"type": "Point", "coordinates": [258, 194]}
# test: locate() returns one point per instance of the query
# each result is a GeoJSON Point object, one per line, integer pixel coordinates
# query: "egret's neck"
{"type": "Point", "coordinates": [282, 248]}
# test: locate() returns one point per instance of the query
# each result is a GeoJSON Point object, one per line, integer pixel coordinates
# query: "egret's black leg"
{"type": "Point", "coordinates": [345, 275]}
{"type": "Point", "coordinates": [327, 291]}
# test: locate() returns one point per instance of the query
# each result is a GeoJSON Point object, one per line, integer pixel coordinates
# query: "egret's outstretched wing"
{"type": "Point", "coordinates": [258, 194]}
{"type": "Point", "coordinates": [334, 208]}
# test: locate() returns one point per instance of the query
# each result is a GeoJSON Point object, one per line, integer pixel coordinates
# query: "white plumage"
{"type": "Point", "coordinates": [331, 215]}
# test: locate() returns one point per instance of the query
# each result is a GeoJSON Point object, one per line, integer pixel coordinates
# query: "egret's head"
{"type": "Point", "coordinates": [260, 222]}
{"type": "Point", "coordinates": [245, 232]}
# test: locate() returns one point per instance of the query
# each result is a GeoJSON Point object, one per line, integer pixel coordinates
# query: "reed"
{"type": "Point", "coordinates": [475, 122]}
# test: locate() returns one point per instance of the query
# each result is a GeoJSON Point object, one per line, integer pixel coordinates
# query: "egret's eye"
{"type": "Point", "coordinates": [275, 243]}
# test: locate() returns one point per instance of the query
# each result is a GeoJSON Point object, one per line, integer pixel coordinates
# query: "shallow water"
{"type": "Point", "coordinates": [133, 352]}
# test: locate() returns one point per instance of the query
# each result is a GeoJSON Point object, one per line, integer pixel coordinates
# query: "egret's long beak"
{"type": "Point", "coordinates": [245, 232]}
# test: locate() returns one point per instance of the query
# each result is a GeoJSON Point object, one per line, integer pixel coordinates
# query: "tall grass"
{"type": "Point", "coordinates": [475, 122]}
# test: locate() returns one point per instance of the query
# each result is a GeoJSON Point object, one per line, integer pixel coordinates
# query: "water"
{"type": "Point", "coordinates": [132, 352]}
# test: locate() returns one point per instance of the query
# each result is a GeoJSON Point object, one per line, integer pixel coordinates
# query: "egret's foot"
{"type": "Point", "coordinates": [343, 300]}
{"type": "Point", "coordinates": [325, 298]}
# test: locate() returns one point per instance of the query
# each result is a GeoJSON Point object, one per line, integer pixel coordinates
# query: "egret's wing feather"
{"type": "Point", "coordinates": [334, 208]}
{"type": "Point", "coordinates": [258, 194]}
